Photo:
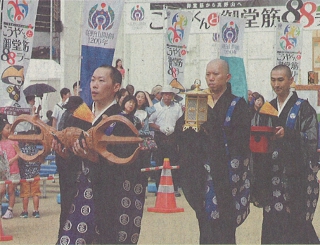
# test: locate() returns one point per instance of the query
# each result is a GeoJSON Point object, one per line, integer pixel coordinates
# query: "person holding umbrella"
{"type": "Point", "coordinates": [37, 90]}
{"type": "Point", "coordinates": [31, 100]}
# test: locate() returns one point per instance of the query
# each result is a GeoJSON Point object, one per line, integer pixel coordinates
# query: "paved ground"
{"type": "Point", "coordinates": [157, 228]}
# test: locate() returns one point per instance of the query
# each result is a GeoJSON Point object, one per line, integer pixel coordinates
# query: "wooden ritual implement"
{"type": "Point", "coordinates": [95, 138]}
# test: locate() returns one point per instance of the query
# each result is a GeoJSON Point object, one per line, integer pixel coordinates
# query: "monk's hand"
{"type": "Point", "coordinates": [59, 148]}
{"type": "Point", "coordinates": [279, 133]}
{"type": "Point", "coordinates": [81, 149]}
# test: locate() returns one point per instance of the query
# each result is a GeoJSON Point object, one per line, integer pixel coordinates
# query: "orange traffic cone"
{"type": "Point", "coordinates": [2, 236]}
{"type": "Point", "coordinates": [166, 201]}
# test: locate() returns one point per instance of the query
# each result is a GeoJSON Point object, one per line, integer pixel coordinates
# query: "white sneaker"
{"type": "Point", "coordinates": [8, 214]}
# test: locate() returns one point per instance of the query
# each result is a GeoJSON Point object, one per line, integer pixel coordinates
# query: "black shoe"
{"type": "Point", "coordinates": [36, 214]}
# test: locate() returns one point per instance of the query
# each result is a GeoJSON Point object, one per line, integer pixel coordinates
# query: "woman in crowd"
{"type": "Point", "coordinates": [120, 67]}
{"type": "Point", "coordinates": [258, 119]}
{"type": "Point", "coordinates": [256, 103]}
{"type": "Point", "coordinates": [122, 93]}
{"type": "Point", "coordinates": [144, 110]}
{"type": "Point", "coordinates": [129, 107]}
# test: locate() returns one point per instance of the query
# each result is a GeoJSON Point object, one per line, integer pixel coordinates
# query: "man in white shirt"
{"type": "Point", "coordinates": [163, 121]}
{"type": "Point", "coordinates": [58, 109]}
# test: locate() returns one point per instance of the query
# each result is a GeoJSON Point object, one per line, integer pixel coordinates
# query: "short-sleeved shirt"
{"type": "Point", "coordinates": [8, 147]}
{"type": "Point", "coordinates": [28, 169]}
{"type": "Point", "coordinates": [166, 116]}
{"type": "Point", "coordinates": [58, 111]}
{"type": "Point", "coordinates": [145, 130]}
{"type": "Point", "coordinates": [25, 126]}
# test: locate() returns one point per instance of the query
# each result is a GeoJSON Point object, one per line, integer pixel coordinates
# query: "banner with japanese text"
{"type": "Point", "coordinates": [18, 25]}
{"type": "Point", "coordinates": [289, 47]}
{"type": "Point", "coordinates": [231, 38]}
{"type": "Point", "coordinates": [142, 17]}
{"type": "Point", "coordinates": [101, 21]}
{"type": "Point", "coordinates": [176, 39]}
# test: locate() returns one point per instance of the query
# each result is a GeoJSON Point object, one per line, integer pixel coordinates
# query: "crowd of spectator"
{"type": "Point", "coordinates": [206, 158]}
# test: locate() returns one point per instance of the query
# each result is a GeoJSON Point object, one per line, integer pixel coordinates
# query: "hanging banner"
{"type": "Point", "coordinates": [176, 38]}
{"type": "Point", "coordinates": [18, 24]}
{"type": "Point", "coordinates": [259, 15]}
{"type": "Point", "coordinates": [231, 36]}
{"type": "Point", "coordinates": [137, 20]}
{"type": "Point", "coordinates": [231, 50]}
{"type": "Point", "coordinates": [101, 21]}
{"type": "Point", "coordinates": [289, 47]}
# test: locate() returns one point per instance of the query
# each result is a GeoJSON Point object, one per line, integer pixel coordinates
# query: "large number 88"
{"type": "Point", "coordinates": [299, 10]}
{"type": "Point", "coordinates": [8, 56]}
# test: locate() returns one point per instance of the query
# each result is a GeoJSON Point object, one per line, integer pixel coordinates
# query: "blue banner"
{"type": "Point", "coordinates": [238, 79]}
{"type": "Point", "coordinates": [101, 21]}
{"type": "Point", "coordinates": [93, 57]}
{"type": "Point", "coordinates": [231, 50]}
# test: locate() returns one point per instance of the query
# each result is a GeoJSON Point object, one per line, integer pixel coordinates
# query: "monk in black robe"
{"type": "Point", "coordinates": [205, 151]}
{"type": "Point", "coordinates": [293, 188]}
{"type": "Point", "coordinates": [107, 202]}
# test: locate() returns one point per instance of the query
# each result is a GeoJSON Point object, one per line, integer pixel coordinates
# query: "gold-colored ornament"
{"type": "Point", "coordinates": [196, 107]}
